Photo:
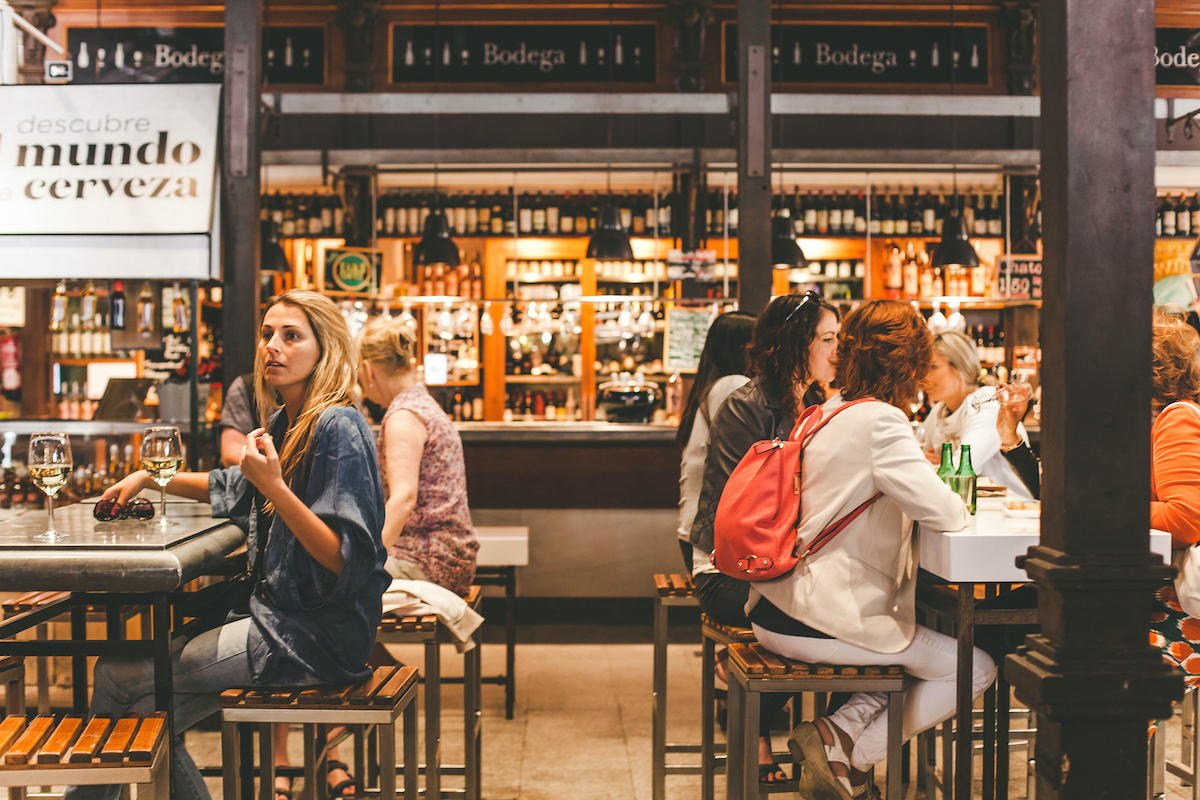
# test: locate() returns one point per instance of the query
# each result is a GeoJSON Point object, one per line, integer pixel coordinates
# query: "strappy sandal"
{"type": "Point", "coordinates": [338, 792]}
{"type": "Point", "coordinates": [812, 757]}
{"type": "Point", "coordinates": [765, 771]}
{"type": "Point", "coordinates": [342, 735]}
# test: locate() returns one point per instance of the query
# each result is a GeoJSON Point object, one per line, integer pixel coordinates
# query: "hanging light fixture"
{"type": "Point", "coordinates": [436, 246]}
{"type": "Point", "coordinates": [610, 242]}
{"type": "Point", "coordinates": [954, 250]}
{"type": "Point", "coordinates": [785, 252]}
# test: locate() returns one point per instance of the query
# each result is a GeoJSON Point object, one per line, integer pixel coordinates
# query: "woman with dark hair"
{"type": "Point", "coordinates": [853, 601]}
{"type": "Point", "coordinates": [722, 369]}
{"type": "Point", "coordinates": [791, 365]}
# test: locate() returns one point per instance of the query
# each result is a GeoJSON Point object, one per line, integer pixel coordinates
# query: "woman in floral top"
{"type": "Point", "coordinates": [427, 530]}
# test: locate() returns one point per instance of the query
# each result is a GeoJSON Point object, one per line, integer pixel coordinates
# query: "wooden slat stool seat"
{"type": "Point", "coordinates": [12, 678]}
{"type": "Point", "coordinates": [427, 631]}
{"type": "Point", "coordinates": [753, 670]}
{"type": "Point", "coordinates": [74, 751]}
{"type": "Point", "coordinates": [379, 700]}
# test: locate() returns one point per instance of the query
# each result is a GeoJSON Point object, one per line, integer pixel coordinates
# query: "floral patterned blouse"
{"type": "Point", "coordinates": [438, 536]}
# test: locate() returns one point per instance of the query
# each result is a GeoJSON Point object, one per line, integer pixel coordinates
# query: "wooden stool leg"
{"type": "Point", "coordinates": [433, 722]}
{"type": "Point", "coordinates": [320, 786]}
{"type": "Point", "coordinates": [231, 768]}
{"type": "Point", "coordinates": [473, 718]}
{"type": "Point", "coordinates": [948, 759]}
{"type": "Point", "coordinates": [1157, 768]}
{"type": "Point", "coordinates": [410, 751]}
{"type": "Point", "coordinates": [266, 761]}
{"type": "Point", "coordinates": [751, 710]}
{"type": "Point", "coordinates": [735, 748]}
{"type": "Point", "coordinates": [658, 735]}
{"type": "Point", "coordinates": [360, 757]}
{"type": "Point", "coordinates": [895, 712]}
{"type": "Point", "coordinates": [373, 757]}
{"type": "Point", "coordinates": [387, 761]}
{"type": "Point", "coordinates": [708, 723]}
{"type": "Point", "coordinates": [310, 762]}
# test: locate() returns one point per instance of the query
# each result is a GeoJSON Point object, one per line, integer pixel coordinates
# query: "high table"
{"type": "Point", "coordinates": [984, 553]}
{"type": "Point", "coordinates": [112, 564]}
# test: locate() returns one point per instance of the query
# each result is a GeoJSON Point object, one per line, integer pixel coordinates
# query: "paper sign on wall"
{"type": "Point", "coordinates": [108, 159]}
{"type": "Point", "coordinates": [686, 332]}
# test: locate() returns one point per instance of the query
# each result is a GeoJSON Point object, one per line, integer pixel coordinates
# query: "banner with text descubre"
{"type": "Point", "coordinates": [108, 159]}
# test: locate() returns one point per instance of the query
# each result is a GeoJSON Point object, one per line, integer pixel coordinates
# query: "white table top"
{"type": "Point", "coordinates": [986, 551]}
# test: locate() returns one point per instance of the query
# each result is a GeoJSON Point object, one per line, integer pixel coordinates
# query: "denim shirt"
{"type": "Point", "coordinates": [308, 620]}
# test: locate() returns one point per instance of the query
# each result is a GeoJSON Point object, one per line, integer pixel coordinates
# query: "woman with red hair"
{"type": "Point", "coordinates": [853, 601]}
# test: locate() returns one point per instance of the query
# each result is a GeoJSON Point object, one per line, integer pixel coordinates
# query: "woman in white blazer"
{"type": "Point", "coordinates": [953, 387]}
{"type": "Point", "coordinates": [853, 601]}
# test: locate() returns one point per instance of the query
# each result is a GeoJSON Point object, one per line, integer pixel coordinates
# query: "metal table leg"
{"type": "Point", "coordinates": [734, 762]}
{"type": "Point", "coordinates": [266, 761]}
{"type": "Point", "coordinates": [1002, 735]}
{"type": "Point", "coordinates": [163, 676]}
{"type": "Point", "coordinates": [751, 708]}
{"type": "Point", "coordinates": [231, 776]}
{"type": "Point", "coordinates": [473, 719]}
{"type": "Point", "coordinates": [410, 751]}
{"type": "Point", "coordinates": [658, 735]}
{"type": "Point", "coordinates": [433, 722]}
{"type": "Point", "coordinates": [895, 750]}
{"type": "Point", "coordinates": [966, 671]}
{"type": "Point", "coordinates": [310, 762]}
{"type": "Point", "coordinates": [510, 641]}
{"type": "Point", "coordinates": [387, 761]}
{"type": "Point", "coordinates": [79, 681]}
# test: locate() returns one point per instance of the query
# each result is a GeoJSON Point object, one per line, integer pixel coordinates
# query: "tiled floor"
{"type": "Point", "coordinates": [582, 726]}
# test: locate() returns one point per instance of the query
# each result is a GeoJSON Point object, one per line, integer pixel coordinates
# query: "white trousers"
{"type": "Point", "coordinates": [931, 657]}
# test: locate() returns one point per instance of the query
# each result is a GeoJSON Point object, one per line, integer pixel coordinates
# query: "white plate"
{"type": "Point", "coordinates": [1024, 513]}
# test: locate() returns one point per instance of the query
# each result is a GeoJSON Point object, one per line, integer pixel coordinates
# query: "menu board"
{"type": "Point", "coordinates": [191, 54]}
{"type": "Point", "coordinates": [871, 54]}
{"type": "Point", "coordinates": [686, 331]}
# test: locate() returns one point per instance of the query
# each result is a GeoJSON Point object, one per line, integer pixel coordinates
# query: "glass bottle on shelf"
{"type": "Point", "coordinates": [887, 215]}
{"type": "Point", "coordinates": [1183, 218]}
{"type": "Point", "coordinates": [58, 308]}
{"type": "Point", "coordinates": [911, 274]}
{"type": "Point", "coordinates": [145, 311]}
{"type": "Point", "coordinates": [179, 313]}
{"type": "Point", "coordinates": [75, 337]}
{"type": "Point", "coordinates": [900, 212]}
{"type": "Point", "coordinates": [996, 214]}
{"type": "Point", "coordinates": [835, 214]}
{"type": "Point", "coordinates": [916, 214]}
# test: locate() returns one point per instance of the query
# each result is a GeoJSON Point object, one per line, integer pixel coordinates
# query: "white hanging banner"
{"type": "Point", "coordinates": [114, 159]}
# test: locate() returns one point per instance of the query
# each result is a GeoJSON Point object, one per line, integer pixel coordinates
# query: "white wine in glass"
{"type": "Point", "coordinates": [162, 458]}
{"type": "Point", "coordinates": [50, 465]}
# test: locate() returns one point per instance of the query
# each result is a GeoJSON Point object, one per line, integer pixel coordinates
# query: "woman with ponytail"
{"type": "Point", "coordinates": [313, 509]}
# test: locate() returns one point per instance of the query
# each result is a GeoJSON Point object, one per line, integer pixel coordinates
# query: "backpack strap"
{"type": "Point", "coordinates": [811, 420]}
{"type": "Point", "coordinates": [826, 536]}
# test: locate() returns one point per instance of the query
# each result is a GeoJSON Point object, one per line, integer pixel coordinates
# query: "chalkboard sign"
{"type": "Point", "coordinates": [291, 55]}
{"type": "Point", "coordinates": [686, 331]}
{"type": "Point", "coordinates": [523, 53]}
{"type": "Point", "coordinates": [870, 54]}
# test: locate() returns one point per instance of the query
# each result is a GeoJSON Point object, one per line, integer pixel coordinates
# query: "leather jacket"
{"type": "Point", "coordinates": [751, 414]}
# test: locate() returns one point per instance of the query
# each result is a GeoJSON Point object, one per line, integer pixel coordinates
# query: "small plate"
{"type": "Point", "coordinates": [1023, 513]}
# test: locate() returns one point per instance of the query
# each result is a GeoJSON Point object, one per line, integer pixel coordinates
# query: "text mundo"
{"type": "Point", "coordinates": [111, 154]}
{"type": "Point", "coordinates": [877, 61]}
{"type": "Point", "coordinates": [167, 56]}
{"type": "Point", "coordinates": [1177, 59]}
{"type": "Point", "coordinates": [544, 60]}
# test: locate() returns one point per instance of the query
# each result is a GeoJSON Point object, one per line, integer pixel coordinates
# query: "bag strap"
{"type": "Point", "coordinates": [813, 422]}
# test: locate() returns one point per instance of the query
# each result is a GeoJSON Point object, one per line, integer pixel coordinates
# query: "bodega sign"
{"type": "Point", "coordinates": [107, 159]}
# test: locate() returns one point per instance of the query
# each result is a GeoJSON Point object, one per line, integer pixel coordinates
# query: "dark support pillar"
{"type": "Point", "coordinates": [754, 154]}
{"type": "Point", "coordinates": [240, 189]}
{"type": "Point", "coordinates": [1090, 674]}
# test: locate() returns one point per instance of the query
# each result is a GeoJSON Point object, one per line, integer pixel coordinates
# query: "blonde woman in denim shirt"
{"type": "Point", "coordinates": [313, 510]}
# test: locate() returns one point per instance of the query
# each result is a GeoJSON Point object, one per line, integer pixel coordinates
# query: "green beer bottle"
{"type": "Point", "coordinates": [967, 479]}
{"type": "Point", "coordinates": [946, 468]}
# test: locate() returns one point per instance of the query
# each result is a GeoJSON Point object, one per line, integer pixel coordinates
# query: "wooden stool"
{"type": "Point", "coordinates": [669, 590]}
{"type": "Point", "coordinates": [378, 701]}
{"type": "Point", "coordinates": [753, 670]}
{"type": "Point", "coordinates": [31, 601]}
{"type": "Point", "coordinates": [78, 753]}
{"type": "Point", "coordinates": [12, 678]}
{"type": "Point", "coordinates": [1189, 751]}
{"type": "Point", "coordinates": [426, 631]}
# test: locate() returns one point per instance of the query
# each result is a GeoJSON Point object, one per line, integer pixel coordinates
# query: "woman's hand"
{"type": "Point", "coordinates": [129, 487]}
{"type": "Point", "coordinates": [260, 464]}
{"type": "Point", "coordinates": [1008, 417]}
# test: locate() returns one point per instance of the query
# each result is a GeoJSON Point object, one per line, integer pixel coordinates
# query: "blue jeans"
{"type": "Point", "coordinates": [203, 668]}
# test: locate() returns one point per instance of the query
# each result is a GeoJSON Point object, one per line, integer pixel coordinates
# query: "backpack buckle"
{"type": "Point", "coordinates": [752, 564]}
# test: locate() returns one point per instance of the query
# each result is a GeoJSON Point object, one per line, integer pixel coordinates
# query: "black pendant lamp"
{"type": "Point", "coordinates": [954, 250]}
{"type": "Point", "coordinates": [785, 253]}
{"type": "Point", "coordinates": [436, 246]}
{"type": "Point", "coordinates": [272, 257]}
{"type": "Point", "coordinates": [610, 242]}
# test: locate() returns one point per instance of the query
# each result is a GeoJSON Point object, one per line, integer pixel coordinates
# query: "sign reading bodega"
{"type": "Point", "coordinates": [70, 163]}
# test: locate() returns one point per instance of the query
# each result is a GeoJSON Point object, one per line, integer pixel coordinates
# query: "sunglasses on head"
{"type": "Point", "coordinates": [109, 509]}
{"type": "Point", "coordinates": [804, 298]}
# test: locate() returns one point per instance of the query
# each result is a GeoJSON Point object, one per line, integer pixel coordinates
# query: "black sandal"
{"type": "Point", "coordinates": [338, 792]}
{"type": "Point", "coordinates": [765, 771]}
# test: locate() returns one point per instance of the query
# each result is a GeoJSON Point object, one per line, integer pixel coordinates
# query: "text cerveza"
{"type": "Point", "coordinates": [93, 154]}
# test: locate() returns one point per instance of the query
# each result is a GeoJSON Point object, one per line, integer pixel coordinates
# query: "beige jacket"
{"type": "Point", "coordinates": [860, 588]}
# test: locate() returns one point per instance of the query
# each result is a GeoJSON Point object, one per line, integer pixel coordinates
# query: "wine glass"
{"type": "Point", "coordinates": [162, 457]}
{"type": "Point", "coordinates": [49, 466]}
{"type": "Point", "coordinates": [1018, 391]}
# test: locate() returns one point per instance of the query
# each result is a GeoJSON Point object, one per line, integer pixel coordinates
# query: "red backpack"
{"type": "Point", "coordinates": [759, 510]}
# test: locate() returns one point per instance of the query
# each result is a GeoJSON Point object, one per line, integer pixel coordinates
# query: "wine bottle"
{"type": "Point", "coordinates": [901, 215]}
{"type": "Point", "coordinates": [887, 217]}
{"type": "Point", "coordinates": [822, 215]}
{"type": "Point", "coordinates": [946, 468]}
{"type": "Point", "coordinates": [145, 311]}
{"type": "Point", "coordinates": [179, 313]}
{"type": "Point", "coordinates": [1183, 217]}
{"type": "Point", "coordinates": [835, 215]}
{"type": "Point", "coordinates": [58, 307]}
{"type": "Point", "coordinates": [996, 215]}
{"type": "Point", "coordinates": [916, 215]}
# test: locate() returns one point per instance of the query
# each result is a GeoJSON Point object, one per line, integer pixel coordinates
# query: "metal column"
{"type": "Point", "coordinates": [241, 157]}
{"type": "Point", "coordinates": [754, 154]}
{"type": "Point", "coordinates": [1090, 674]}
